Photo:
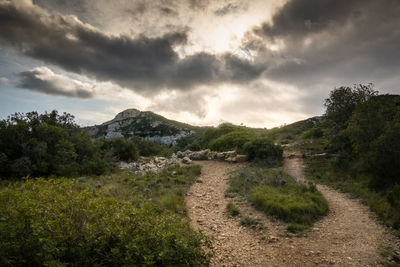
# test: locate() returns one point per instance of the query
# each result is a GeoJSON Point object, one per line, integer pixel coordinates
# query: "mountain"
{"type": "Point", "coordinates": [146, 124]}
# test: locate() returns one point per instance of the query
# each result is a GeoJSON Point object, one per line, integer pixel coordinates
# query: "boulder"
{"type": "Point", "coordinates": [241, 158]}
{"type": "Point", "coordinates": [230, 154]}
{"type": "Point", "coordinates": [212, 155]}
{"type": "Point", "coordinates": [230, 159]}
{"type": "Point", "coordinates": [220, 156]}
{"type": "Point", "coordinates": [199, 155]}
{"type": "Point", "coordinates": [186, 160]}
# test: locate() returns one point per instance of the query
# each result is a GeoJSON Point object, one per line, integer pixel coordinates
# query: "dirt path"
{"type": "Point", "coordinates": [347, 236]}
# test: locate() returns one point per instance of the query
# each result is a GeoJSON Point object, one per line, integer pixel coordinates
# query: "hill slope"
{"type": "Point", "coordinates": [146, 124]}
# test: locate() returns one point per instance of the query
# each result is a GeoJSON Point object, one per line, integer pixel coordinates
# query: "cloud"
{"type": "Point", "coordinates": [192, 102]}
{"type": "Point", "coordinates": [146, 65]}
{"type": "Point", "coordinates": [320, 44]}
{"type": "Point", "coordinates": [4, 80]}
{"type": "Point", "coordinates": [230, 8]}
{"type": "Point", "coordinates": [43, 80]}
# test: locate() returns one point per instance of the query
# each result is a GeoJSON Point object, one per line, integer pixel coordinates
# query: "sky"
{"type": "Point", "coordinates": [260, 63]}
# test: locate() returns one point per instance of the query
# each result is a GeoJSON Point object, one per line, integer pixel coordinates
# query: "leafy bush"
{"type": "Point", "coordinates": [212, 133]}
{"type": "Point", "coordinates": [263, 148]}
{"type": "Point", "coordinates": [52, 223]}
{"type": "Point", "coordinates": [231, 141]}
{"type": "Point", "coordinates": [293, 203]}
{"type": "Point", "coordinates": [232, 209]}
{"type": "Point", "coordinates": [122, 149]}
{"type": "Point", "coordinates": [149, 148]}
{"type": "Point", "coordinates": [315, 132]}
{"type": "Point", "coordinates": [296, 228]}
{"type": "Point", "coordinates": [278, 195]}
{"type": "Point", "coordinates": [47, 144]}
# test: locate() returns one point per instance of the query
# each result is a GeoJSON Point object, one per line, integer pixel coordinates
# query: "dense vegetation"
{"type": "Point", "coordinates": [365, 150]}
{"type": "Point", "coordinates": [257, 144]}
{"type": "Point", "coordinates": [278, 195]}
{"type": "Point", "coordinates": [117, 149]}
{"type": "Point", "coordinates": [47, 144]}
{"type": "Point", "coordinates": [117, 220]}
{"type": "Point", "coordinates": [355, 147]}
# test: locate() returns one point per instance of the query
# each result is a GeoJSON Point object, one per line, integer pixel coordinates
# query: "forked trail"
{"type": "Point", "coordinates": [347, 236]}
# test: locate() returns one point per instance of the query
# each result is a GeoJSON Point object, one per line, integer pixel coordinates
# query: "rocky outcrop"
{"type": "Point", "coordinates": [155, 164]}
{"type": "Point", "coordinates": [148, 125]}
{"type": "Point", "coordinates": [229, 156]}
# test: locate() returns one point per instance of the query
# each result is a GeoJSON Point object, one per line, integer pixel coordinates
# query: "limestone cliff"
{"type": "Point", "coordinates": [146, 124]}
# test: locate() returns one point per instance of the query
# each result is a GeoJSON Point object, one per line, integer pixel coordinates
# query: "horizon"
{"type": "Point", "coordinates": [263, 64]}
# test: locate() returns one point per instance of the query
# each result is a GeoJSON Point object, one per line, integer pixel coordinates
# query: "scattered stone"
{"type": "Point", "coordinates": [144, 165]}
{"type": "Point", "coordinates": [186, 160]}
{"type": "Point", "coordinates": [229, 156]}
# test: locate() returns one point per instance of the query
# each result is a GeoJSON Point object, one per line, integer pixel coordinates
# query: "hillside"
{"type": "Point", "coordinates": [146, 124]}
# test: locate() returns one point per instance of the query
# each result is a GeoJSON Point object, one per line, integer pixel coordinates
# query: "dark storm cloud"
{"type": "Point", "coordinates": [301, 17]}
{"type": "Point", "coordinates": [330, 42]}
{"type": "Point", "coordinates": [43, 80]}
{"type": "Point", "coordinates": [144, 64]}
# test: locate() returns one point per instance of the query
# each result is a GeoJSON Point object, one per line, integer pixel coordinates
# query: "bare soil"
{"type": "Point", "coordinates": [348, 236]}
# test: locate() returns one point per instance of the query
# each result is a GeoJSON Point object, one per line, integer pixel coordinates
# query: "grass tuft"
{"type": "Point", "coordinates": [278, 195]}
{"type": "Point", "coordinates": [251, 222]}
{"type": "Point", "coordinates": [232, 209]}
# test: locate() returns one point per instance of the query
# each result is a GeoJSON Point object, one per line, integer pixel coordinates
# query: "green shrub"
{"type": "Point", "coordinates": [231, 141]}
{"type": "Point", "coordinates": [52, 223]}
{"type": "Point", "coordinates": [251, 222]}
{"type": "Point", "coordinates": [296, 228]}
{"type": "Point", "coordinates": [232, 209]}
{"type": "Point", "coordinates": [315, 132]}
{"type": "Point", "coordinates": [277, 194]}
{"type": "Point", "coordinates": [122, 149]}
{"type": "Point", "coordinates": [263, 148]}
{"type": "Point", "coordinates": [293, 203]}
{"type": "Point", "coordinates": [149, 148]}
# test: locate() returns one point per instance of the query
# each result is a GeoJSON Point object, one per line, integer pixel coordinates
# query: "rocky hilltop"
{"type": "Point", "coordinates": [146, 124]}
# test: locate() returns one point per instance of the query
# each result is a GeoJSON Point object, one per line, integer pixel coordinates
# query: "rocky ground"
{"type": "Point", "coordinates": [348, 236]}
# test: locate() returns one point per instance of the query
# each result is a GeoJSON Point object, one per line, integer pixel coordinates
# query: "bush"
{"type": "Point", "coordinates": [251, 222]}
{"type": "Point", "coordinates": [232, 209]}
{"type": "Point", "coordinates": [149, 148]}
{"type": "Point", "coordinates": [122, 149]}
{"type": "Point", "coordinates": [315, 132]}
{"type": "Point", "coordinates": [52, 223]}
{"type": "Point", "coordinates": [263, 148]}
{"type": "Point", "coordinates": [294, 203]}
{"type": "Point", "coordinates": [277, 194]}
{"type": "Point", "coordinates": [231, 141]}
{"type": "Point", "coordinates": [296, 228]}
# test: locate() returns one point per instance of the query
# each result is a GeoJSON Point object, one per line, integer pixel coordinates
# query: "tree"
{"type": "Point", "coordinates": [343, 100]}
{"type": "Point", "coordinates": [374, 134]}
{"type": "Point", "coordinates": [46, 144]}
